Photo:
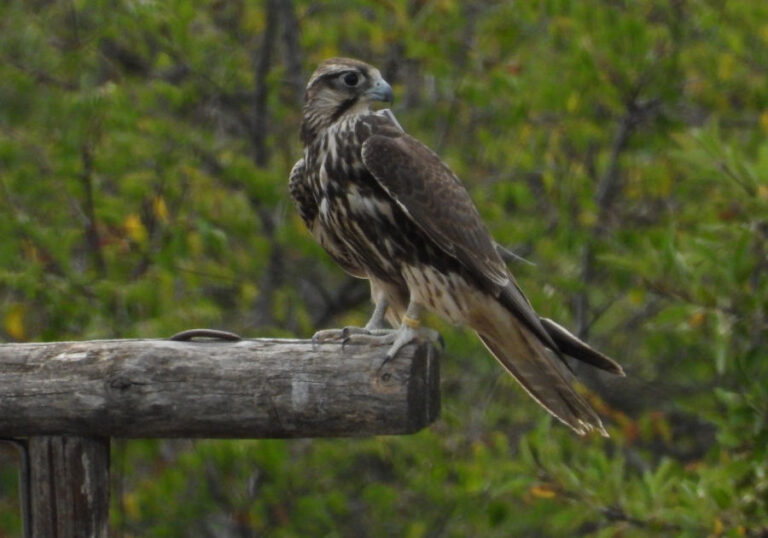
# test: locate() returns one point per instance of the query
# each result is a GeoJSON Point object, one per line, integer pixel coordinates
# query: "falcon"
{"type": "Point", "coordinates": [387, 209]}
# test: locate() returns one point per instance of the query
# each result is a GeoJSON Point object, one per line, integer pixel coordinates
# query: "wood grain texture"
{"type": "Point", "coordinates": [69, 486]}
{"type": "Point", "coordinates": [252, 388]}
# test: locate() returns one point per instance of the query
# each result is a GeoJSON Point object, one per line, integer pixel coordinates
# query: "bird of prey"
{"type": "Point", "coordinates": [387, 209]}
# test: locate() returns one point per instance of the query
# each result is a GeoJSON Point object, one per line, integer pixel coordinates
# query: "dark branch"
{"type": "Point", "coordinates": [91, 230]}
{"type": "Point", "coordinates": [262, 62]}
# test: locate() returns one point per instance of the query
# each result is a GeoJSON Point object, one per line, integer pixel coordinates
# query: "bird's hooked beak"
{"type": "Point", "coordinates": [380, 91]}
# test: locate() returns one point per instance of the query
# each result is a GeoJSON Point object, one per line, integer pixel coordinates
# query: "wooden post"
{"type": "Point", "coordinates": [68, 486]}
{"type": "Point", "coordinates": [68, 398]}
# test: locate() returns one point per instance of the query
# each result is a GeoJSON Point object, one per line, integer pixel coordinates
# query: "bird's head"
{"type": "Point", "coordinates": [341, 87]}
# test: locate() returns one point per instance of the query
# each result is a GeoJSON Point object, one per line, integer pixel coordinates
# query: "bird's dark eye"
{"type": "Point", "coordinates": [350, 79]}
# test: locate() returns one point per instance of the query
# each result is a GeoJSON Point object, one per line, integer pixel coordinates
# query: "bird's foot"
{"type": "Point", "coordinates": [397, 338]}
{"type": "Point", "coordinates": [354, 335]}
{"type": "Point", "coordinates": [406, 334]}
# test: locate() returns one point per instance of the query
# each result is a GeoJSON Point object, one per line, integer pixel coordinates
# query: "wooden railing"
{"type": "Point", "coordinates": [61, 402]}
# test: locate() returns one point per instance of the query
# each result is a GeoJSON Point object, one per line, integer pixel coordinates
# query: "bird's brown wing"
{"type": "Point", "coordinates": [433, 197]}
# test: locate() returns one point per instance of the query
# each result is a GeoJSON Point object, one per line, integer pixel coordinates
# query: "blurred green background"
{"type": "Point", "coordinates": [619, 145]}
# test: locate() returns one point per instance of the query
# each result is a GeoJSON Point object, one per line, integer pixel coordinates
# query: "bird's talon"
{"type": "Point", "coordinates": [387, 359]}
{"type": "Point", "coordinates": [344, 341]}
{"type": "Point", "coordinates": [346, 336]}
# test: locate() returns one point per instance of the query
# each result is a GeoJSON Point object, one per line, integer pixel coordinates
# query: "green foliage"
{"type": "Point", "coordinates": [621, 146]}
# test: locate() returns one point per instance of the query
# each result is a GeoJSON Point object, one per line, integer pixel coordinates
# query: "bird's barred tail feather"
{"type": "Point", "coordinates": [523, 356]}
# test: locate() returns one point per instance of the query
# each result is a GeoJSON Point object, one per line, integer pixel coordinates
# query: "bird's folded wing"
{"type": "Point", "coordinates": [433, 197]}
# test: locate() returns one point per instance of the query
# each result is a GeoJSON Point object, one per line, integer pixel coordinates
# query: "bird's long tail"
{"type": "Point", "coordinates": [570, 344]}
{"type": "Point", "coordinates": [524, 356]}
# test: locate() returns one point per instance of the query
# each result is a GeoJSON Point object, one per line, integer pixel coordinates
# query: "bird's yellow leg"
{"type": "Point", "coordinates": [410, 329]}
{"type": "Point", "coordinates": [377, 317]}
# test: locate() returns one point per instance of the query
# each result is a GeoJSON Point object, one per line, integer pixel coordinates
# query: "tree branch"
{"type": "Point", "coordinates": [92, 238]}
{"type": "Point", "coordinates": [262, 62]}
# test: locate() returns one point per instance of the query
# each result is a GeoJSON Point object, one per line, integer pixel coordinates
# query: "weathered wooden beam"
{"type": "Point", "coordinates": [251, 388]}
{"type": "Point", "coordinates": [68, 486]}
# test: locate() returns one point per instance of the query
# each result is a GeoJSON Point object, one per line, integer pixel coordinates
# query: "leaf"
{"type": "Point", "coordinates": [543, 491]}
{"type": "Point", "coordinates": [13, 322]}
{"type": "Point", "coordinates": [134, 228]}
